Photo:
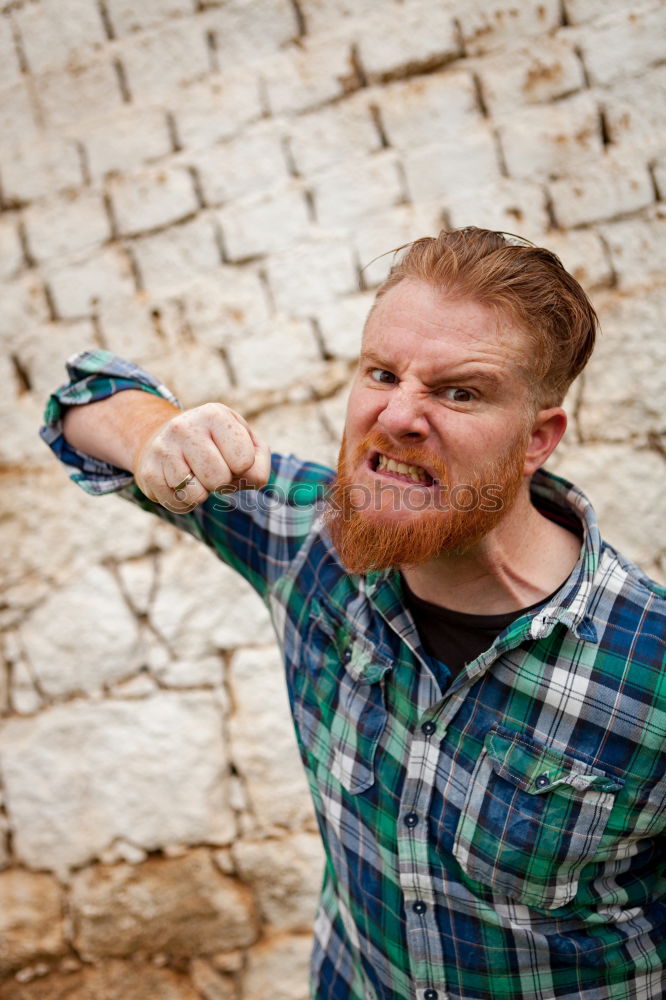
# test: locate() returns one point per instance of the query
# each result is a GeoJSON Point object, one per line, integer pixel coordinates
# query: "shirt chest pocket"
{"type": "Point", "coordinates": [338, 701]}
{"type": "Point", "coordinates": [532, 819]}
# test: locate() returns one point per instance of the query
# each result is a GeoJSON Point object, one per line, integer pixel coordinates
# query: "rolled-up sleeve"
{"type": "Point", "coordinates": [94, 375]}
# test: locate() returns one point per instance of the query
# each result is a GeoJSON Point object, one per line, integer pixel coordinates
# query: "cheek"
{"type": "Point", "coordinates": [362, 411]}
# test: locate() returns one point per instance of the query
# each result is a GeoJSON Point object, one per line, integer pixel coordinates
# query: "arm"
{"type": "Point", "coordinates": [161, 445]}
{"type": "Point", "coordinates": [256, 533]}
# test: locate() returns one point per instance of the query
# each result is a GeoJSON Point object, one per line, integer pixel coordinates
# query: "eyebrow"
{"type": "Point", "coordinates": [479, 375]}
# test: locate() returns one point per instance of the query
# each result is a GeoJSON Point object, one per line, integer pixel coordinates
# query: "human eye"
{"type": "Point", "coordinates": [458, 394]}
{"type": "Point", "coordinates": [382, 375]}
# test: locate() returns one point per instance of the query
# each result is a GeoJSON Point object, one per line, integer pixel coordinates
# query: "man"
{"type": "Point", "coordinates": [474, 675]}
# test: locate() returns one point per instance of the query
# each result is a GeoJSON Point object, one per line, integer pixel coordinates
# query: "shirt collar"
{"type": "Point", "coordinates": [570, 606]}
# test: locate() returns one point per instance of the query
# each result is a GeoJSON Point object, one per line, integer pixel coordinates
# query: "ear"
{"type": "Point", "coordinates": [547, 430]}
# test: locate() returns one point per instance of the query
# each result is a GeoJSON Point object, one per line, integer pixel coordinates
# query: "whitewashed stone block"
{"type": "Point", "coordinates": [80, 775]}
{"type": "Point", "coordinates": [127, 16]}
{"type": "Point", "coordinates": [19, 444]}
{"type": "Point", "coordinates": [285, 875]}
{"type": "Point", "coordinates": [530, 75]}
{"type": "Point", "coordinates": [297, 429]}
{"type": "Point", "coordinates": [376, 237]}
{"type": "Point", "coordinates": [624, 43]}
{"type": "Point", "coordinates": [42, 350]}
{"type": "Point", "coordinates": [264, 746]}
{"type": "Point", "coordinates": [54, 34]}
{"type": "Point", "coordinates": [176, 256]}
{"type": "Point", "coordinates": [192, 373]}
{"type": "Point", "coordinates": [10, 67]}
{"type": "Point", "coordinates": [251, 31]}
{"type": "Point", "coordinates": [320, 70]}
{"type": "Point", "coordinates": [31, 171]}
{"type": "Point", "coordinates": [283, 352]}
{"type": "Point", "coordinates": [152, 199]}
{"type": "Point", "coordinates": [327, 16]}
{"type": "Point", "coordinates": [201, 606]}
{"type": "Point", "coordinates": [627, 487]}
{"type": "Point", "coordinates": [126, 140]}
{"type": "Point", "coordinates": [579, 11]}
{"type": "Point", "coordinates": [39, 546]}
{"type": "Point", "coordinates": [341, 324]}
{"type": "Point", "coordinates": [216, 108]}
{"type": "Point", "coordinates": [137, 579]}
{"type": "Point", "coordinates": [78, 286]}
{"type": "Point", "coordinates": [252, 163]}
{"type": "Point", "coordinates": [60, 94]}
{"type": "Point", "coordinates": [23, 307]}
{"type": "Point", "coordinates": [25, 699]}
{"type": "Point", "coordinates": [402, 39]}
{"type": "Point", "coordinates": [510, 205]}
{"type": "Point", "coordinates": [128, 329]}
{"type": "Point", "coordinates": [278, 967]}
{"type": "Point", "coordinates": [583, 255]}
{"type": "Point", "coordinates": [334, 410]}
{"type": "Point", "coordinates": [314, 272]}
{"type": "Point", "coordinates": [336, 132]}
{"type": "Point", "coordinates": [263, 225]}
{"type": "Point", "coordinates": [610, 186]}
{"type": "Point", "coordinates": [423, 110]}
{"type": "Point", "coordinates": [348, 191]}
{"type": "Point", "coordinates": [625, 382]}
{"type": "Point", "coordinates": [445, 169]}
{"type": "Point", "coordinates": [64, 225]}
{"type": "Point", "coordinates": [11, 253]}
{"type": "Point", "coordinates": [215, 309]}
{"type": "Point", "coordinates": [18, 117]}
{"type": "Point", "coordinates": [542, 142]}
{"type": "Point", "coordinates": [635, 112]}
{"type": "Point", "coordinates": [158, 62]}
{"type": "Point", "coordinates": [82, 637]}
{"type": "Point", "coordinates": [492, 24]}
{"type": "Point", "coordinates": [637, 249]}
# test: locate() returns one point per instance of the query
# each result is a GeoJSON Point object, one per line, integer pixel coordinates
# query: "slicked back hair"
{"type": "Point", "coordinates": [527, 283]}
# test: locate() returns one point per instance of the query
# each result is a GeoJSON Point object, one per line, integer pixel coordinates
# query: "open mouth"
{"type": "Point", "coordinates": [400, 470]}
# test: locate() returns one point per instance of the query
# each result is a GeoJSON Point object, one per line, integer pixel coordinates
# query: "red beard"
{"type": "Point", "coordinates": [384, 526]}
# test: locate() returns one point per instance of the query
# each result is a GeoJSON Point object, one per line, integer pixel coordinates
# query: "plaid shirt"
{"type": "Point", "coordinates": [502, 838]}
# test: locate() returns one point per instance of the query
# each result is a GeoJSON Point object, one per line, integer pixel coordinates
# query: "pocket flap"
{"type": "Point", "coordinates": [536, 769]}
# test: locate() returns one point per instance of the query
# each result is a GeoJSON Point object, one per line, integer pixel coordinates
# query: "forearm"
{"type": "Point", "coordinates": [115, 429]}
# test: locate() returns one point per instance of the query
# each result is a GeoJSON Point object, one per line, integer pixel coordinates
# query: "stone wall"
{"type": "Point", "coordinates": [205, 187]}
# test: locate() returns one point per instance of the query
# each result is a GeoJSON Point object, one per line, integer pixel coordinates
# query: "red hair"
{"type": "Point", "coordinates": [526, 282]}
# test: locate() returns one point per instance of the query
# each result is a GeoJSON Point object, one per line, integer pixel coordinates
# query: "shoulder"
{"type": "Point", "coordinates": [629, 608]}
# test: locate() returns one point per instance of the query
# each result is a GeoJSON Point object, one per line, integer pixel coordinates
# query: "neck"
{"type": "Point", "coordinates": [524, 559]}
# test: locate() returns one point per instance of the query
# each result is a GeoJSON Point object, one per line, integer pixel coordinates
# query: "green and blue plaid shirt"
{"type": "Point", "coordinates": [501, 838]}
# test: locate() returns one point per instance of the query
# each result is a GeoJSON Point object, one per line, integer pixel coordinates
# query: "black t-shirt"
{"type": "Point", "coordinates": [455, 638]}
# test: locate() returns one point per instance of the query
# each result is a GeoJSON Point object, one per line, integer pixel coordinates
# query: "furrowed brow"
{"type": "Point", "coordinates": [478, 376]}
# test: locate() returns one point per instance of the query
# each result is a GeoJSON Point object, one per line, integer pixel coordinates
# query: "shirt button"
{"type": "Point", "coordinates": [411, 819]}
{"type": "Point", "coordinates": [542, 781]}
{"type": "Point", "coordinates": [347, 656]}
{"type": "Point", "coordinates": [430, 995]}
{"type": "Point", "coordinates": [419, 906]}
{"type": "Point", "coordinates": [428, 728]}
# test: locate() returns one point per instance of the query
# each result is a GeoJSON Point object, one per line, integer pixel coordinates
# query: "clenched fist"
{"type": "Point", "coordinates": [196, 452]}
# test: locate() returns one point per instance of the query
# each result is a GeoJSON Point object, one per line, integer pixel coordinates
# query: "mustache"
{"type": "Point", "coordinates": [408, 455]}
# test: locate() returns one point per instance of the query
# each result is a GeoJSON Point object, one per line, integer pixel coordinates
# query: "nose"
{"type": "Point", "coordinates": [403, 416]}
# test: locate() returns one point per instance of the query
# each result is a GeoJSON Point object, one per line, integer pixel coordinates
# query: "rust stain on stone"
{"type": "Point", "coordinates": [542, 73]}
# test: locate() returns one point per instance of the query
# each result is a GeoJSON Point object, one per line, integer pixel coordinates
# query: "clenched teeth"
{"type": "Point", "coordinates": [413, 472]}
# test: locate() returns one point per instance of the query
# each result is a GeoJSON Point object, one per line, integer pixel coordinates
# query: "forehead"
{"type": "Point", "coordinates": [415, 320]}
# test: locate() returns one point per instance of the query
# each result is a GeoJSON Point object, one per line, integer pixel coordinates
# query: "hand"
{"type": "Point", "coordinates": [211, 446]}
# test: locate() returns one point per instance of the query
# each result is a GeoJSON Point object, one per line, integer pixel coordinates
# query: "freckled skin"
{"type": "Point", "coordinates": [434, 346]}
{"type": "Point", "coordinates": [420, 349]}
